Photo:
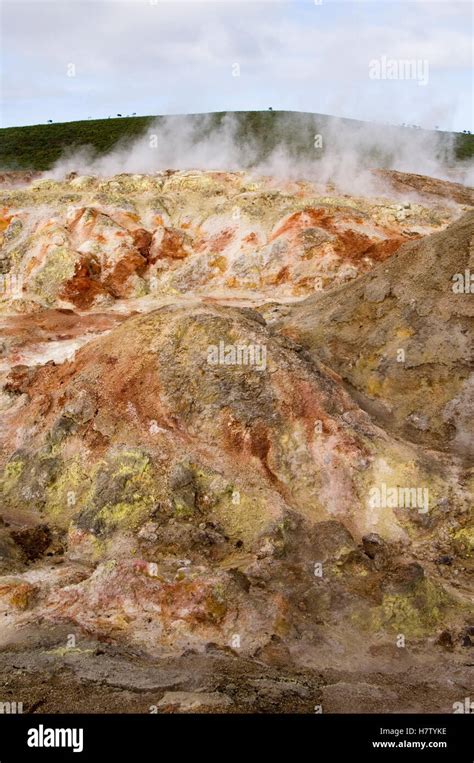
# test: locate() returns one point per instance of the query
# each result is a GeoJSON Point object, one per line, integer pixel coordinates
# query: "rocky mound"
{"type": "Point", "coordinates": [209, 506]}
{"type": "Point", "coordinates": [209, 473]}
{"type": "Point", "coordinates": [401, 338]}
{"type": "Point", "coordinates": [87, 242]}
{"type": "Point", "coordinates": [427, 186]}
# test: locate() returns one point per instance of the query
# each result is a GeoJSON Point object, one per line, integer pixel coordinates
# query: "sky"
{"type": "Point", "coordinates": [80, 59]}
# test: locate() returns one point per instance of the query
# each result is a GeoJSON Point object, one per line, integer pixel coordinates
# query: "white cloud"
{"type": "Point", "coordinates": [181, 53]}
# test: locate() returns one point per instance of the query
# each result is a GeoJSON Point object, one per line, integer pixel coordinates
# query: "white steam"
{"type": "Point", "coordinates": [329, 150]}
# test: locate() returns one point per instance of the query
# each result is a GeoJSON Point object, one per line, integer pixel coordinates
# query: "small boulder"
{"type": "Point", "coordinates": [376, 548]}
{"type": "Point", "coordinates": [32, 540]}
{"type": "Point", "coordinates": [331, 541]}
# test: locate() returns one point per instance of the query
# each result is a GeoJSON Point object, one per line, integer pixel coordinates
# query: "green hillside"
{"type": "Point", "coordinates": [38, 147]}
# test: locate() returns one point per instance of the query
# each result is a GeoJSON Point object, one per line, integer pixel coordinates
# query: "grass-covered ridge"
{"type": "Point", "coordinates": [38, 147]}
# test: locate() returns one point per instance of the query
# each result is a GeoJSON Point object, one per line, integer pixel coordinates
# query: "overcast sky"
{"type": "Point", "coordinates": [159, 57]}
